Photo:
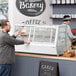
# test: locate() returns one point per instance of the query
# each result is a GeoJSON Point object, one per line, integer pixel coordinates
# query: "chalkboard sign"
{"type": "Point", "coordinates": [48, 69]}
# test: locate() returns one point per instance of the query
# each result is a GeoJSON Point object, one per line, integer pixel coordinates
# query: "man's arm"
{"type": "Point", "coordinates": [69, 33]}
{"type": "Point", "coordinates": [12, 41]}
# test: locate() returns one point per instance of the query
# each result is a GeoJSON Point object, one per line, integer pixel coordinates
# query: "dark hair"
{"type": "Point", "coordinates": [67, 18]}
{"type": "Point", "coordinates": [4, 23]}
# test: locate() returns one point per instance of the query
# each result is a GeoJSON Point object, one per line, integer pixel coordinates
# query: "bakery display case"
{"type": "Point", "coordinates": [44, 39]}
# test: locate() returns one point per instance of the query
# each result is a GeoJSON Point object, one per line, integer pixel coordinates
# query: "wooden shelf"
{"type": "Point", "coordinates": [61, 15]}
{"type": "Point", "coordinates": [63, 2]}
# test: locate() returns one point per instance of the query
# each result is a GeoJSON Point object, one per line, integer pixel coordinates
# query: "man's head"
{"type": "Point", "coordinates": [5, 25]}
{"type": "Point", "coordinates": [67, 19]}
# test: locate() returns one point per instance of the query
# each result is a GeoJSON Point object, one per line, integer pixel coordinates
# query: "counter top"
{"type": "Point", "coordinates": [46, 56]}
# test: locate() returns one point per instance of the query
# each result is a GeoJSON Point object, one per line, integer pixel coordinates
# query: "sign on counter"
{"type": "Point", "coordinates": [47, 68]}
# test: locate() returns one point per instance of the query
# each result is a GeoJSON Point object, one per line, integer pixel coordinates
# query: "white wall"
{"type": "Point", "coordinates": [15, 17]}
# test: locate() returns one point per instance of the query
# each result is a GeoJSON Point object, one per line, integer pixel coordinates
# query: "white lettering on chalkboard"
{"type": "Point", "coordinates": [47, 67]}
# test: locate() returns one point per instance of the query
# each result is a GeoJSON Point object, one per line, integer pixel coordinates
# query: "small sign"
{"type": "Point", "coordinates": [48, 69]}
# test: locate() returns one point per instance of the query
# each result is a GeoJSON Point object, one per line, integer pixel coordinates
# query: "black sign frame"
{"type": "Point", "coordinates": [47, 68]}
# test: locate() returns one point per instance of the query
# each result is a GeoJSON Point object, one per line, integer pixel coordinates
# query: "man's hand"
{"type": "Point", "coordinates": [27, 42]}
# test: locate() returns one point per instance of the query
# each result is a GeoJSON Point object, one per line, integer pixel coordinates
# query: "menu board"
{"type": "Point", "coordinates": [47, 68]}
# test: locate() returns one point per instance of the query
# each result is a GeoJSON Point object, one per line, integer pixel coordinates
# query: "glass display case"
{"type": "Point", "coordinates": [44, 39]}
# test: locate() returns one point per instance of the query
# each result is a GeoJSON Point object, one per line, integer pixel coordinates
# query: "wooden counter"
{"type": "Point", "coordinates": [46, 56]}
{"type": "Point", "coordinates": [28, 64]}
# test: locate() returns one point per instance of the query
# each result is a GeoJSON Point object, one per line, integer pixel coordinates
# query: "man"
{"type": "Point", "coordinates": [7, 50]}
{"type": "Point", "coordinates": [69, 35]}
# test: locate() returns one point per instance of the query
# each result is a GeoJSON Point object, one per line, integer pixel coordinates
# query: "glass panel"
{"type": "Point", "coordinates": [37, 34]}
{"type": "Point", "coordinates": [53, 34]}
{"type": "Point", "coordinates": [62, 36]}
{"type": "Point", "coordinates": [44, 35]}
{"type": "Point", "coordinates": [27, 32]}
